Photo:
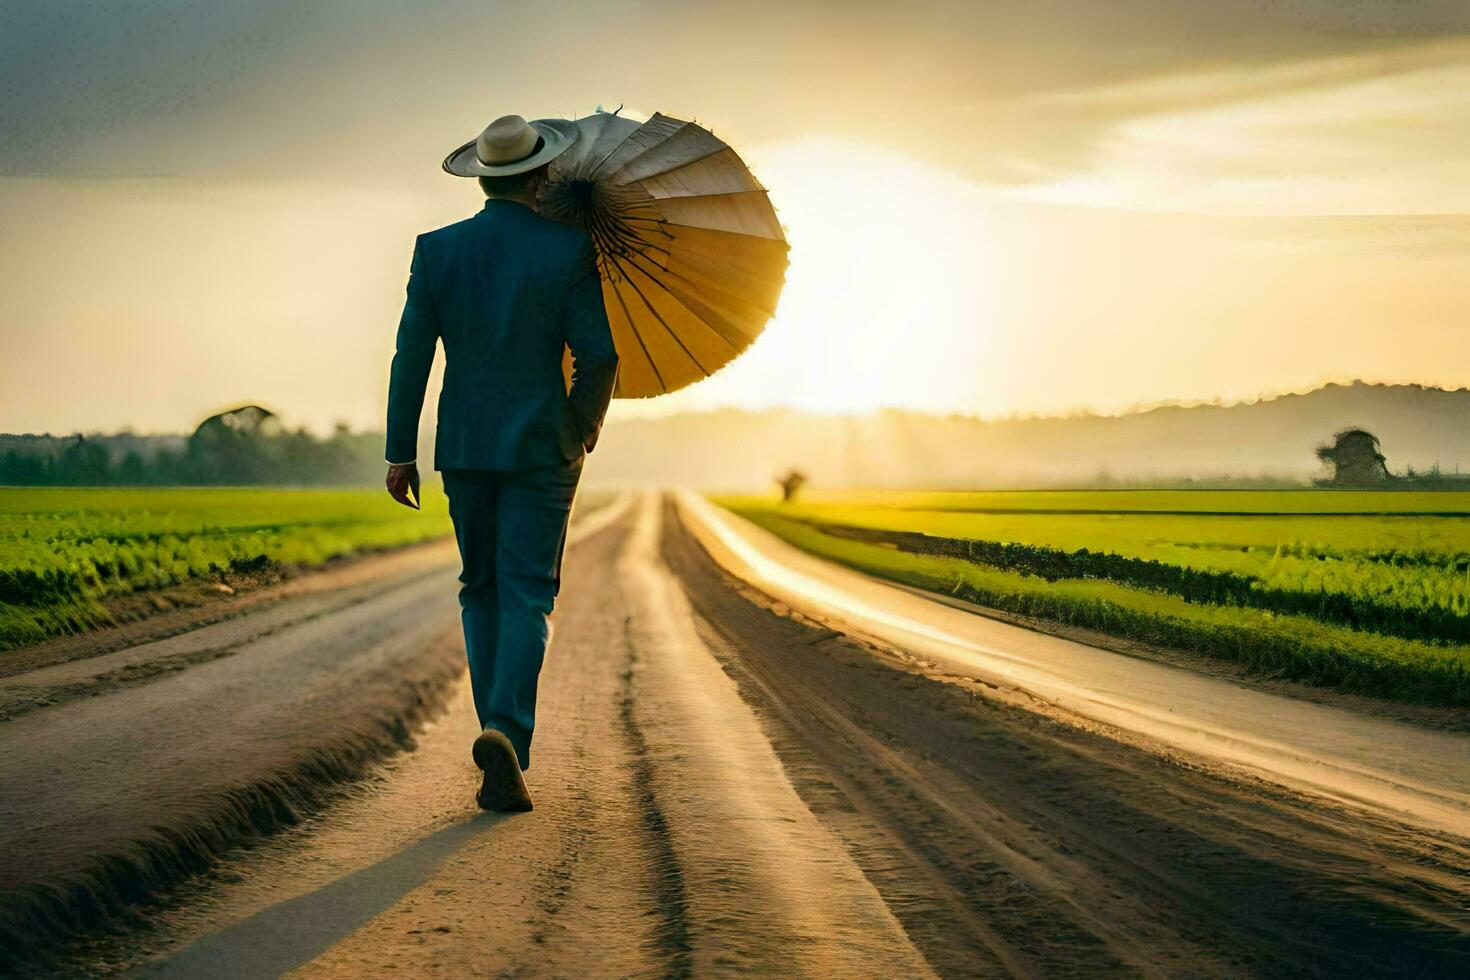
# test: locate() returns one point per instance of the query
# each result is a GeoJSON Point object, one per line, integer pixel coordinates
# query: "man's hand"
{"type": "Point", "coordinates": [403, 478]}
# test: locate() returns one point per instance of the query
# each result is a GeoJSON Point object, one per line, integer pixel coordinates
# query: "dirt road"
{"type": "Point", "coordinates": [723, 784]}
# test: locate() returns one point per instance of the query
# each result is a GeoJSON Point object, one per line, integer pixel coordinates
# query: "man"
{"type": "Point", "coordinates": [504, 291]}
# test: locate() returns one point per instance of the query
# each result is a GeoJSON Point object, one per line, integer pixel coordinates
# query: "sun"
{"type": "Point", "coordinates": [884, 301]}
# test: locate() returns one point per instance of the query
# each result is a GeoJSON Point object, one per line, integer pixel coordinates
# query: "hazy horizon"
{"type": "Point", "coordinates": [1266, 442]}
{"type": "Point", "coordinates": [291, 421]}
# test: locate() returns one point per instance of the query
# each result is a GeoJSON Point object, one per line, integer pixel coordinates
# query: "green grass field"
{"type": "Point", "coordinates": [64, 552]}
{"type": "Point", "coordinates": [1367, 591]}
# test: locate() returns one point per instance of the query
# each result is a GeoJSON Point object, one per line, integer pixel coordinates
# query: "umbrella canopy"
{"type": "Point", "coordinates": [691, 254]}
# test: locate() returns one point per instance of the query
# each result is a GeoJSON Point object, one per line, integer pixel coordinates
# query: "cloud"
{"type": "Point", "coordinates": [994, 90]}
{"type": "Point", "coordinates": [1050, 134]}
{"type": "Point", "coordinates": [1357, 136]}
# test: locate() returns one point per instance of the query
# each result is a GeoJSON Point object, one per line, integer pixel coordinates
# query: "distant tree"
{"type": "Point", "coordinates": [132, 470]}
{"type": "Point", "coordinates": [25, 469]}
{"type": "Point", "coordinates": [790, 484]}
{"type": "Point", "coordinates": [233, 447]}
{"type": "Point", "coordinates": [1355, 459]}
{"type": "Point", "coordinates": [84, 462]}
{"type": "Point", "coordinates": [242, 446]}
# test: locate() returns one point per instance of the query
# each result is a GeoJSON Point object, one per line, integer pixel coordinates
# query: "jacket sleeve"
{"type": "Point", "coordinates": [418, 334]}
{"type": "Point", "coordinates": [588, 336]}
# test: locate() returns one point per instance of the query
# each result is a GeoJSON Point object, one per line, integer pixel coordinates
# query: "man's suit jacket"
{"type": "Point", "coordinates": [503, 291]}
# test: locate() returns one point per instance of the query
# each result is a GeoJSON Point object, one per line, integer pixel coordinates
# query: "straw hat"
{"type": "Point", "coordinates": [510, 145]}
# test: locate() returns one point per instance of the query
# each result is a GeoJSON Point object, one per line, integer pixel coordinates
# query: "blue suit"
{"type": "Point", "coordinates": [504, 292]}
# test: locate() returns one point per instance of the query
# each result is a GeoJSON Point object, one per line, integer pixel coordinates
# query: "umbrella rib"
{"type": "Point", "coordinates": [608, 155]}
{"type": "Point", "coordinates": [596, 224]}
{"type": "Point", "coordinates": [778, 275]}
{"type": "Point", "coordinates": [646, 149]}
{"type": "Point", "coordinates": [657, 222]}
{"type": "Point", "coordinates": [633, 329]}
{"type": "Point", "coordinates": [676, 167]}
{"type": "Point", "coordinates": [617, 228]}
{"type": "Point", "coordinates": [693, 287]}
{"type": "Point", "coordinates": [609, 227]}
{"type": "Point", "coordinates": [722, 231]}
{"type": "Point", "coordinates": [668, 329]}
{"type": "Point", "coordinates": [603, 233]}
{"type": "Point", "coordinates": [616, 147]}
{"type": "Point", "coordinates": [643, 269]}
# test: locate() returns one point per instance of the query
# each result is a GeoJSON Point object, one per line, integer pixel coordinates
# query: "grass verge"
{"type": "Point", "coordinates": [1265, 642]}
{"type": "Point", "coordinates": [66, 554]}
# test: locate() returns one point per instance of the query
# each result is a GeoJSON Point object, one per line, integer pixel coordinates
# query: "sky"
{"type": "Point", "coordinates": [993, 208]}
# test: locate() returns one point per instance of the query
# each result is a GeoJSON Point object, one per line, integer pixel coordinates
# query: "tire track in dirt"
{"type": "Point", "coordinates": [764, 887]}
{"type": "Point", "coordinates": [670, 901]}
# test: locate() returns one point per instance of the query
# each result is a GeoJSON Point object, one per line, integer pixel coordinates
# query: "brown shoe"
{"type": "Point", "coordinates": [504, 789]}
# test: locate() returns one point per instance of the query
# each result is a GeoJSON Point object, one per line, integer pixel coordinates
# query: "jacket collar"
{"type": "Point", "coordinates": [500, 204]}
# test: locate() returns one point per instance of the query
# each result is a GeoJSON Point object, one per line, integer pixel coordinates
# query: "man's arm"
{"type": "Point", "coordinates": [418, 334]}
{"type": "Point", "coordinates": [594, 358]}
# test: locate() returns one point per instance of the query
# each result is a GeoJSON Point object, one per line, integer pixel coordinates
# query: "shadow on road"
{"type": "Point", "coordinates": [287, 935]}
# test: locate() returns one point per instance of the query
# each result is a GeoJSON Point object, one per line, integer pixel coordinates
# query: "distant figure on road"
{"type": "Point", "coordinates": [504, 291]}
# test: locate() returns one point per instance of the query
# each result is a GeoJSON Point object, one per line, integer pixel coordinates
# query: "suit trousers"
{"type": "Point", "coordinates": [512, 529]}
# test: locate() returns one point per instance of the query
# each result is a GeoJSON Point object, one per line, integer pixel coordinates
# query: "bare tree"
{"type": "Point", "coordinates": [790, 484]}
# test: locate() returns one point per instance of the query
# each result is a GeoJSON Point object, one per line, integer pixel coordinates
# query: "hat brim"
{"type": "Point", "coordinates": [557, 137]}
